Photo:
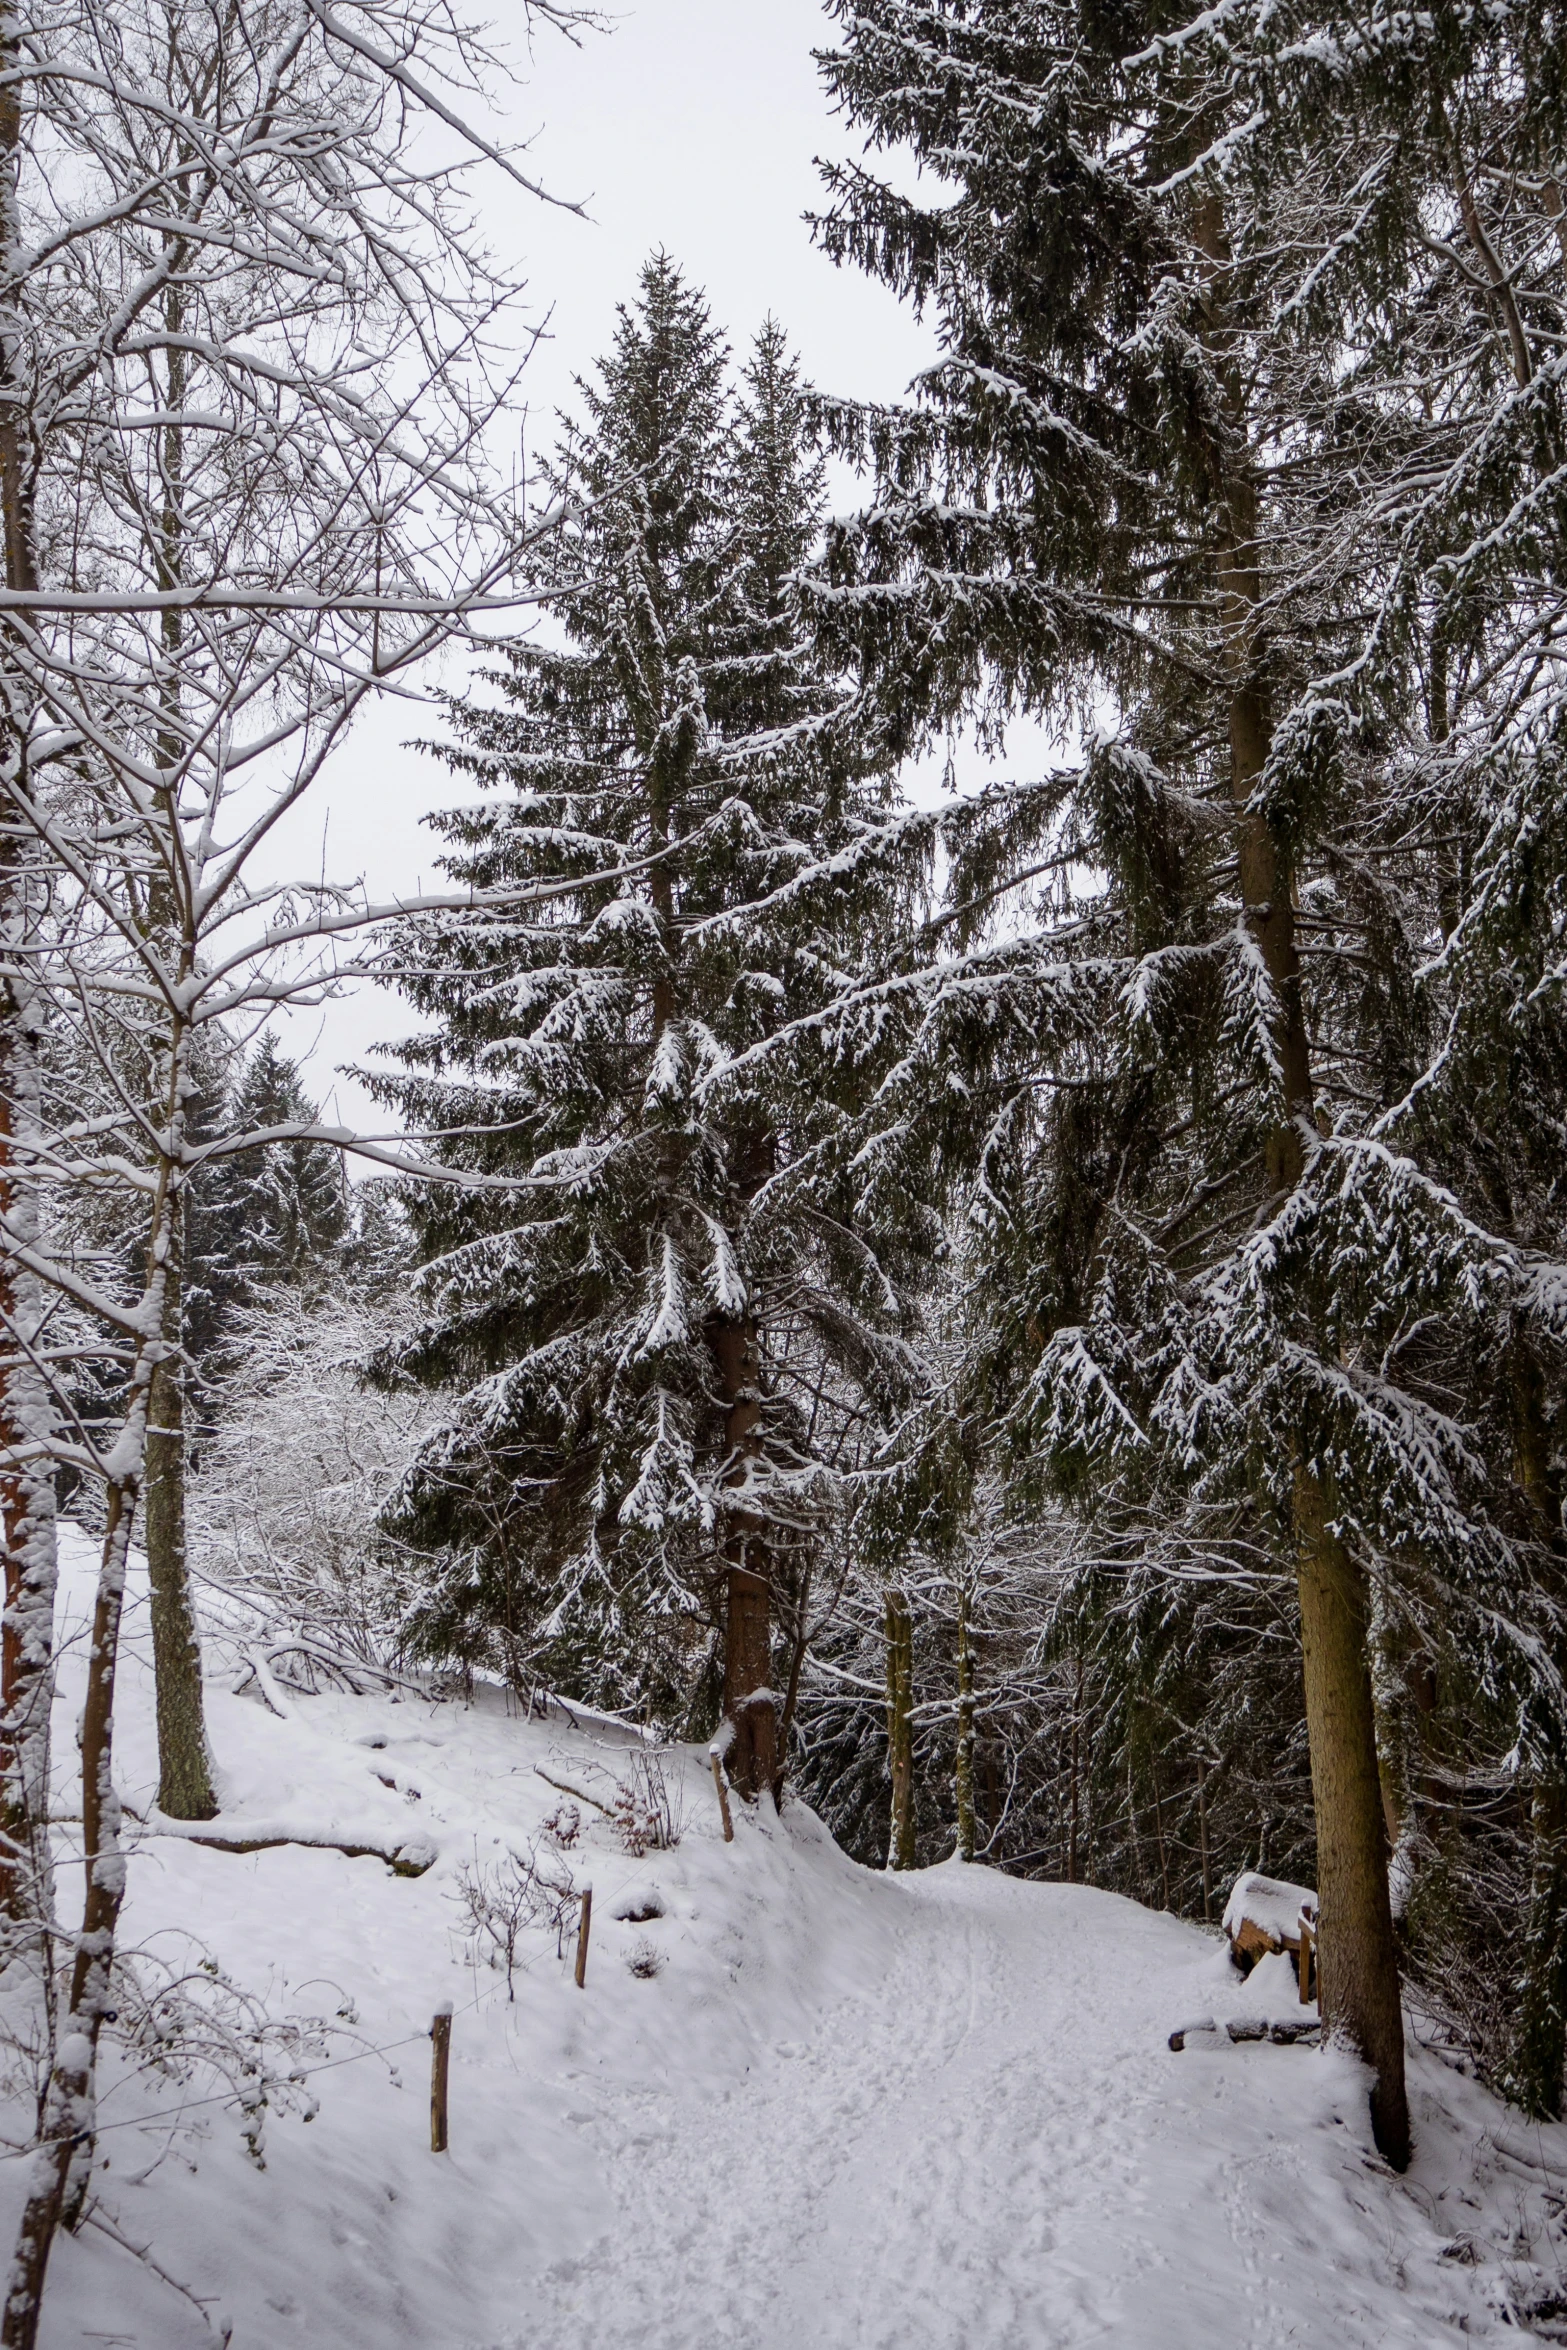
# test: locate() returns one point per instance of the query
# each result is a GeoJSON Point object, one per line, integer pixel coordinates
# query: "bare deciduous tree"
{"type": "Point", "coordinates": [249, 351]}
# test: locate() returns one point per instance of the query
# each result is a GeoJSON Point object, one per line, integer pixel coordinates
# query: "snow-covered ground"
{"type": "Point", "coordinates": [831, 2108]}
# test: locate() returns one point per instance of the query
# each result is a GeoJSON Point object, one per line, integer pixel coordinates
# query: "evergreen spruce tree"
{"type": "Point", "coordinates": [1171, 482]}
{"type": "Point", "coordinates": [1463, 374]}
{"type": "Point", "coordinates": [668, 1326]}
{"type": "Point", "coordinates": [275, 1215]}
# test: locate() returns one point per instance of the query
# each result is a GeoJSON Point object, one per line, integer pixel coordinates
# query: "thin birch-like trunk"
{"type": "Point", "coordinates": [185, 1788]}
{"type": "Point", "coordinates": [1164, 1858]}
{"type": "Point", "coordinates": [1539, 2052]}
{"type": "Point", "coordinates": [1073, 1853]}
{"type": "Point", "coordinates": [900, 1728]}
{"type": "Point", "coordinates": [1399, 1742]}
{"type": "Point", "coordinates": [963, 1764]}
{"type": "Point", "coordinates": [750, 1704]}
{"type": "Point", "coordinates": [27, 1502]}
{"type": "Point", "coordinates": [1134, 1838]}
{"type": "Point", "coordinates": [1540, 2045]}
{"type": "Point", "coordinates": [27, 1510]}
{"type": "Point", "coordinates": [67, 2141]}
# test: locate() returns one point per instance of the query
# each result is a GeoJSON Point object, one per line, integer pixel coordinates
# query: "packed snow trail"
{"type": "Point", "coordinates": [798, 2101]}
{"type": "Point", "coordinates": [946, 2158]}
{"type": "Point", "coordinates": [991, 2145]}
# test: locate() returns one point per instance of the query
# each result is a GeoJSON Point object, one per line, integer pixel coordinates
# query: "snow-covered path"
{"type": "Point", "coordinates": [946, 2158]}
{"type": "Point", "coordinates": [798, 2102]}
{"type": "Point", "coordinates": [989, 2145]}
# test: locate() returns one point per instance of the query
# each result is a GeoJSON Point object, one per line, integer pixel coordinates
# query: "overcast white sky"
{"type": "Point", "coordinates": [693, 125]}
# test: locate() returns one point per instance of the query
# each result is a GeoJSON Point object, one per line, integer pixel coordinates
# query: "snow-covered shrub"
{"type": "Point", "coordinates": [284, 1533]}
{"type": "Point", "coordinates": [182, 2024]}
{"type": "Point", "coordinates": [647, 1810]}
{"type": "Point", "coordinates": [564, 1826]}
{"type": "Point", "coordinates": [500, 1902]}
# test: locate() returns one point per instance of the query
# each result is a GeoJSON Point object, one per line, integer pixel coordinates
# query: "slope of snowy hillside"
{"type": "Point", "coordinates": [796, 2100]}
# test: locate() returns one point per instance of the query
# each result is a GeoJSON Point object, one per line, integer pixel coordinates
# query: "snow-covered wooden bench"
{"type": "Point", "coordinates": [1265, 1918]}
{"type": "Point", "coordinates": [1264, 1915]}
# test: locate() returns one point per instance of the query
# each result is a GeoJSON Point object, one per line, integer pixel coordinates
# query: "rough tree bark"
{"type": "Point", "coordinates": [900, 1727]}
{"type": "Point", "coordinates": [1358, 1955]}
{"type": "Point", "coordinates": [27, 1508]}
{"type": "Point", "coordinates": [1539, 2052]}
{"type": "Point", "coordinates": [1357, 1965]}
{"type": "Point", "coordinates": [62, 2162]}
{"type": "Point", "coordinates": [750, 1703]}
{"type": "Point", "coordinates": [185, 1788]}
{"type": "Point", "coordinates": [67, 2139]}
{"type": "Point", "coordinates": [963, 1765]}
{"type": "Point", "coordinates": [26, 1417]}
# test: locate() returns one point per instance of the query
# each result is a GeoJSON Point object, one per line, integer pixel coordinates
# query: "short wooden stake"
{"type": "Point", "coordinates": [723, 1800]}
{"type": "Point", "coordinates": [584, 1924]}
{"type": "Point", "coordinates": [1305, 1964]}
{"type": "Point", "coordinates": [440, 2059]}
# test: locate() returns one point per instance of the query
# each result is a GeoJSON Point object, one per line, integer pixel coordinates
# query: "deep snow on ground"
{"type": "Point", "coordinates": [928, 2112]}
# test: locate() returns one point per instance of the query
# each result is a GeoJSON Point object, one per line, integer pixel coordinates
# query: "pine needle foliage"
{"type": "Point", "coordinates": [666, 1327]}
{"type": "Point", "coordinates": [275, 1215]}
{"type": "Point", "coordinates": [1241, 463]}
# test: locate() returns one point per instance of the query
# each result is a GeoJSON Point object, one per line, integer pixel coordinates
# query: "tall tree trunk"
{"type": "Point", "coordinates": [1074, 1862]}
{"type": "Point", "coordinates": [963, 1764]}
{"type": "Point", "coordinates": [184, 1766]}
{"type": "Point", "coordinates": [1540, 2045]}
{"type": "Point", "coordinates": [26, 1413]}
{"type": "Point", "coordinates": [27, 1508]}
{"type": "Point", "coordinates": [67, 2139]}
{"type": "Point", "coordinates": [1357, 1961]}
{"type": "Point", "coordinates": [62, 2162]}
{"type": "Point", "coordinates": [799, 1644]}
{"type": "Point", "coordinates": [1539, 2053]}
{"type": "Point", "coordinates": [1133, 1838]}
{"type": "Point", "coordinates": [750, 1702]}
{"type": "Point", "coordinates": [1164, 1857]}
{"type": "Point", "coordinates": [1360, 1979]}
{"type": "Point", "coordinates": [900, 1727]}
{"type": "Point", "coordinates": [1395, 1679]}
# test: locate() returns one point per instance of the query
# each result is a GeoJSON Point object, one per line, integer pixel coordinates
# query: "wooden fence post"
{"type": "Point", "coordinates": [584, 1924]}
{"type": "Point", "coordinates": [723, 1800]}
{"type": "Point", "coordinates": [1305, 1962]}
{"type": "Point", "coordinates": [440, 2059]}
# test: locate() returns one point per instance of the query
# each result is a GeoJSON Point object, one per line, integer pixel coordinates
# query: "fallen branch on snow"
{"type": "Point", "coordinates": [409, 1856]}
{"type": "Point", "coordinates": [578, 1794]}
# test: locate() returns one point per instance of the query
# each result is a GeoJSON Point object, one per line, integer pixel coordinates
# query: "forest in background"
{"type": "Point", "coordinates": [1039, 1320]}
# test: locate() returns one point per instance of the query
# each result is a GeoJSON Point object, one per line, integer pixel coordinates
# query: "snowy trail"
{"type": "Point", "coordinates": [990, 2146]}
{"type": "Point", "coordinates": [883, 2134]}
{"type": "Point", "coordinates": [798, 2101]}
